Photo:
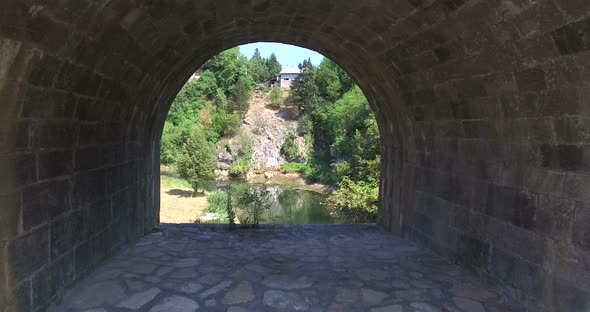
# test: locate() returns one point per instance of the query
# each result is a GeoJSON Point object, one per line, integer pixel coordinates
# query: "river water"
{"type": "Point", "coordinates": [290, 205]}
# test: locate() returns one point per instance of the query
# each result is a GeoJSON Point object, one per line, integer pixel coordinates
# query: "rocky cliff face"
{"type": "Point", "coordinates": [268, 128]}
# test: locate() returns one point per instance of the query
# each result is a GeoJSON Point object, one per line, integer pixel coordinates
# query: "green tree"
{"type": "Point", "coordinates": [276, 98]}
{"type": "Point", "coordinates": [304, 90]}
{"type": "Point", "coordinates": [273, 67]}
{"type": "Point", "coordinates": [241, 97]}
{"type": "Point", "coordinates": [198, 159]}
{"type": "Point", "coordinates": [257, 67]}
{"type": "Point", "coordinates": [229, 66]}
{"type": "Point", "coordinates": [207, 85]}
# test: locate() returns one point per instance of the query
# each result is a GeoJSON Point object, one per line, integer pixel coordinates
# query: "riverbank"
{"type": "Point", "coordinates": [178, 204]}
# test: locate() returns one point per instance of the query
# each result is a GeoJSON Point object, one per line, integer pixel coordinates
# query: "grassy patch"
{"type": "Point", "coordinates": [291, 167]}
{"type": "Point", "coordinates": [173, 182]}
{"type": "Point", "coordinates": [169, 178]}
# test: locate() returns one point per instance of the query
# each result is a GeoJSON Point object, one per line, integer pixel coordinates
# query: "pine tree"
{"type": "Point", "coordinates": [273, 67]}
{"type": "Point", "coordinates": [198, 159]}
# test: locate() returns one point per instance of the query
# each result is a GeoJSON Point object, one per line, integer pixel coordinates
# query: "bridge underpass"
{"type": "Point", "coordinates": [482, 108]}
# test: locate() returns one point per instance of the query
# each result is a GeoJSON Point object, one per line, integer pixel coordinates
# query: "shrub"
{"type": "Point", "coordinates": [244, 146]}
{"type": "Point", "coordinates": [241, 167]}
{"type": "Point", "coordinates": [259, 123]}
{"type": "Point", "coordinates": [216, 202]}
{"type": "Point", "coordinates": [276, 98]}
{"type": "Point", "coordinates": [355, 200]}
{"type": "Point", "coordinates": [254, 201]}
{"type": "Point", "coordinates": [290, 149]}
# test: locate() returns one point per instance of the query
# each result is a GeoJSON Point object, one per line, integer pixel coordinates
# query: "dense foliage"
{"type": "Point", "coordinates": [336, 119]}
{"type": "Point", "coordinates": [211, 107]}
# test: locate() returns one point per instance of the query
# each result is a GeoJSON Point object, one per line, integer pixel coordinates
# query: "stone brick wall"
{"type": "Point", "coordinates": [482, 107]}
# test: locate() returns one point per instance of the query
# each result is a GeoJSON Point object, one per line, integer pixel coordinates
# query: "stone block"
{"type": "Point", "coordinates": [82, 259]}
{"type": "Point", "coordinates": [62, 236]}
{"type": "Point", "coordinates": [89, 188]}
{"type": "Point", "coordinates": [45, 104]}
{"type": "Point", "coordinates": [573, 38]}
{"type": "Point", "coordinates": [576, 186]}
{"type": "Point", "coordinates": [501, 266]}
{"type": "Point", "coordinates": [88, 109]}
{"type": "Point", "coordinates": [530, 278]}
{"type": "Point", "coordinates": [567, 297]}
{"type": "Point", "coordinates": [26, 169]}
{"type": "Point", "coordinates": [87, 158]}
{"type": "Point", "coordinates": [581, 228]}
{"type": "Point", "coordinates": [9, 50]}
{"type": "Point", "coordinates": [55, 164]}
{"type": "Point", "coordinates": [470, 251]}
{"type": "Point", "coordinates": [566, 157]}
{"type": "Point", "coordinates": [99, 216]}
{"type": "Point", "coordinates": [532, 79]}
{"type": "Point", "coordinates": [76, 79]}
{"type": "Point", "coordinates": [511, 205]}
{"type": "Point", "coordinates": [44, 71]}
{"type": "Point", "coordinates": [29, 253]}
{"type": "Point", "coordinates": [572, 130]}
{"type": "Point", "coordinates": [57, 135]}
{"type": "Point", "coordinates": [554, 218]}
{"type": "Point", "coordinates": [54, 196]}
{"type": "Point", "coordinates": [9, 216]}
{"type": "Point", "coordinates": [48, 283]}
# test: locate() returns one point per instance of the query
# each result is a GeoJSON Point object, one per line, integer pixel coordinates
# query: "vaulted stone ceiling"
{"type": "Point", "coordinates": [482, 106]}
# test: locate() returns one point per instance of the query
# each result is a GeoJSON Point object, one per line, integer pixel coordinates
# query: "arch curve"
{"type": "Point", "coordinates": [482, 107]}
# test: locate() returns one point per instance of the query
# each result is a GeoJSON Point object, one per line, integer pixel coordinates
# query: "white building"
{"type": "Point", "coordinates": [287, 75]}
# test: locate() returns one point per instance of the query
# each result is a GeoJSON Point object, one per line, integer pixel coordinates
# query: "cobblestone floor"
{"type": "Point", "coordinates": [280, 268]}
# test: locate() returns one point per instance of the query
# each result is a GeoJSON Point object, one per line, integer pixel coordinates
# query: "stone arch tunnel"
{"type": "Point", "coordinates": [483, 109]}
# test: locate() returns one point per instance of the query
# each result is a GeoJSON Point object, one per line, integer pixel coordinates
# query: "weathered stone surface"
{"type": "Point", "coordinates": [190, 288]}
{"type": "Point", "coordinates": [422, 281]}
{"type": "Point", "coordinates": [103, 293]}
{"type": "Point", "coordinates": [346, 295]}
{"type": "Point", "coordinates": [284, 301]}
{"type": "Point", "coordinates": [175, 304]}
{"type": "Point", "coordinates": [139, 299]}
{"type": "Point", "coordinates": [373, 297]}
{"type": "Point", "coordinates": [242, 293]}
{"type": "Point", "coordinates": [492, 95]}
{"type": "Point", "coordinates": [215, 289]}
{"type": "Point", "coordinates": [424, 307]}
{"type": "Point", "coordinates": [391, 308]}
{"type": "Point", "coordinates": [287, 282]}
{"type": "Point", "coordinates": [468, 305]}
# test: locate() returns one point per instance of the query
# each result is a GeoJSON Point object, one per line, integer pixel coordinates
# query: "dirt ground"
{"type": "Point", "coordinates": [177, 205]}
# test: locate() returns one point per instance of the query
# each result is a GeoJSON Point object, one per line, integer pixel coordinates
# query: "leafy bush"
{"type": "Point", "coordinates": [291, 167]}
{"type": "Point", "coordinates": [355, 200]}
{"type": "Point", "coordinates": [226, 124]}
{"type": "Point", "coordinates": [290, 149]}
{"type": "Point", "coordinates": [244, 145]}
{"type": "Point", "coordinates": [254, 202]}
{"type": "Point", "coordinates": [216, 202]}
{"type": "Point", "coordinates": [276, 98]}
{"type": "Point", "coordinates": [259, 123]}
{"type": "Point", "coordinates": [241, 167]}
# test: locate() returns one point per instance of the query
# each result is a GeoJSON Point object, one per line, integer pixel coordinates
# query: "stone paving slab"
{"type": "Point", "coordinates": [189, 268]}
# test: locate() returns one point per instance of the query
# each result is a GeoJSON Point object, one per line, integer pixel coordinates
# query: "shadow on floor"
{"type": "Point", "coordinates": [184, 193]}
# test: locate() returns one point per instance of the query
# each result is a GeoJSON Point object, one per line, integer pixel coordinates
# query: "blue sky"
{"type": "Point", "coordinates": [288, 55]}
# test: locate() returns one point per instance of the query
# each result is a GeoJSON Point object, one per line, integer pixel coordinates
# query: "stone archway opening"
{"type": "Point", "coordinates": [207, 101]}
{"type": "Point", "coordinates": [482, 107]}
